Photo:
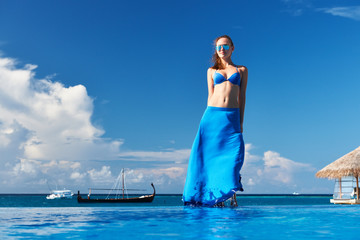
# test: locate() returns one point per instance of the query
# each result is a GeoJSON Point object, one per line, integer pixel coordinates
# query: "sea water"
{"type": "Point", "coordinates": [257, 217]}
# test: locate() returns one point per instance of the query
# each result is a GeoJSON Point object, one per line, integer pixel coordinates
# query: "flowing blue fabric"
{"type": "Point", "coordinates": [216, 158]}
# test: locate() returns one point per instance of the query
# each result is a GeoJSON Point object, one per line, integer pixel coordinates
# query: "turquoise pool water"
{"type": "Point", "coordinates": [154, 221]}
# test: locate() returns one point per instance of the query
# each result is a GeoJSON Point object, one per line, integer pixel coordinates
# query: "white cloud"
{"type": "Point", "coordinates": [135, 176]}
{"type": "Point", "coordinates": [166, 179]}
{"type": "Point", "coordinates": [273, 160]}
{"type": "Point", "coordinates": [172, 172]}
{"type": "Point", "coordinates": [25, 166]}
{"type": "Point", "coordinates": [296, 7]}
{"type": "Point", "coordinates": [104, 175]}
{"type": "Point", "coordinates": [281, 169]}
{"type": "Point", "coordinates": [271, 171]}
{"type": "Point", "coordinates": [248, 156]}
{"type": "Point", "coordinates": [347, 12]}
{"type": "Point", "coordinates": [57, 118]}
{"type": "Point", "coordinates": [77, 176]}
{"type": "Point", "coordinates": [250, 182]}
{"type": "Point", "coordinates": [174, 155]}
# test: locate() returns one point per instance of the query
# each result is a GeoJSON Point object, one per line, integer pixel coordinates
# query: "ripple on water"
{"type": "Point", "coordinates": [252, 222]}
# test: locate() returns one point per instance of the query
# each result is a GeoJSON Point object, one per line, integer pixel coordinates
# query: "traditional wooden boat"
{"type": "Point", "coordinates": [117, 198]}
{"type": "Point", "coordinates": [141, 199]}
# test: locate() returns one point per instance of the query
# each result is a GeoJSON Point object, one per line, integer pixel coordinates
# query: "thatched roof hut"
{"type": "Point", "coordinates": [348, 165]}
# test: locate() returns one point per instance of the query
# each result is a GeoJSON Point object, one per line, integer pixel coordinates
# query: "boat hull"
{"type": "Point", "coordinates": [116, 200]}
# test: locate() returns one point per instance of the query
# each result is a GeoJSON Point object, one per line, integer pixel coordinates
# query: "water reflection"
{"type": "Point", "coordinates": [219, 222]}
{"type": "Point", "coordinates": [295, 222]}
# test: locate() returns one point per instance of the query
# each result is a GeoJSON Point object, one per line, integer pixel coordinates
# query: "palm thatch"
{"type": "Point", "coordinates": [348, 165]}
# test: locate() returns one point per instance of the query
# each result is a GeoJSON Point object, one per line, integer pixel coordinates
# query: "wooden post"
{"type": "Point", "coordinates": [357, 187]}
{"type": "Point", "coordinates": [340, 187]}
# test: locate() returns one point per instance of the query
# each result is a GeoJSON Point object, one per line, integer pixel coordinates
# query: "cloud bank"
{"type": "Point", "coordinates": [46, 134]}
{"type": "Point", "coordinates": [262, 173]}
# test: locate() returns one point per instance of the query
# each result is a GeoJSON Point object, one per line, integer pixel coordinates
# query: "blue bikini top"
{"type": "Point", "coordinates": [234, 79]}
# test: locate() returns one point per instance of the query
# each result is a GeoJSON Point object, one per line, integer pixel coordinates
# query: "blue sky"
{"type": "Point", "coordinates": [89, 87]}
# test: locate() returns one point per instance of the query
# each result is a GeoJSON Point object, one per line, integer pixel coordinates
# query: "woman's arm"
{"type": "Point", "coordinates": [242, 94]}
{"type": "Point", "coordinates": [210, 82]}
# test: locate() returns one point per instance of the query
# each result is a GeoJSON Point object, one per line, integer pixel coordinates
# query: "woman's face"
{"type": "Point", "coordinates": [222, 53]}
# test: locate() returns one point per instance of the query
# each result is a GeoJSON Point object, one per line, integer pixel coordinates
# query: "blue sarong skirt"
{"type": "Point", "coordinates": [216, 158]}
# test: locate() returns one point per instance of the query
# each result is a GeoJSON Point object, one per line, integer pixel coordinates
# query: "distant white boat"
{"type": "Point", "coordinates": [60, 194]}
{"type": "Point", "coordinates": [296, 193]}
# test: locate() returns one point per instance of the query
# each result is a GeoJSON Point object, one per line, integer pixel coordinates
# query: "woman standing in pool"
{"type": "Point", "coordinates": [217, 153]}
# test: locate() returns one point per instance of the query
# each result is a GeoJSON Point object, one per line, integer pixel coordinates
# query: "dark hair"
{"type": "Point", "coordinates": [215, 58]}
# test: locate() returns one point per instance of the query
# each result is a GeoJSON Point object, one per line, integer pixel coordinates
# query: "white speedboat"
{"type": "Point", "coordinates": [60, 194]}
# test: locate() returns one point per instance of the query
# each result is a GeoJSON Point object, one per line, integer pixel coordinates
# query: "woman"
{"type": "Point", "coordinates": [217, 154]}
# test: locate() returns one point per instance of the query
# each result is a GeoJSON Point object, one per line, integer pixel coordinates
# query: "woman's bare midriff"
{"type": "Point", "coordinates": [225, 95]}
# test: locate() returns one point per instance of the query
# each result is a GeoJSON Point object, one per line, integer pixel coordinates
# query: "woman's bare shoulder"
{"type": "Point", "coordinates": [211, 70]}
{"type": "Point", "coordinates": [242, 68]}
